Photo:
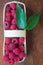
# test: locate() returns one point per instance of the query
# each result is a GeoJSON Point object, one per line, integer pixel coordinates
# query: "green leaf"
{"type": "Point", "coordinates": [20, 17]}
{"type": "Point", "coordinates": [33, 21]}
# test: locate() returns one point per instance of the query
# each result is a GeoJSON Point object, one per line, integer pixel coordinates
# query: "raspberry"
{"type": "Point", "coordinates": [15, 41]}
{"type": "Point", "coordinates": [11, 55]}
{"type": "Point", "coordinates": [16, 59]}
{"type": "Point", "coordinates": [21, 55]}
{"type": "Point", "coordinates": [7, 52]}
{"type": "Point", "coordinates": [21, 48]}
{"type": "Point", "coordinates": [14, 16]}
{"type": "Point", "coordinates": [8, 14]}
{"type": "Point", "coordinates": [8, 9]}
{"type": "Point", "coordinates": [21, 40]}
{"type": "Point", "coordinates": [13, 27]}
{"type": "Point", "coordinates": [16, 51]}
{"type": "Point", "coordinates": [13, 21]}
{"type": "Point", "coordinates": [13, 12]}
{"type": "Point", "coordinates": [7, 40]}
{"type": "Point", "coordinates": [13, 6]}
{"type": "Point", "coordinates": [11, 46]}
{"type": "Point", "coordinates": [6, 25]}
{"type": "Point", "coordinates": [11, 62]}
{"type": "Point", "coordinates": [6, 47]}
{"type": "Point", "coordinates": [5, 58]}
{"type": "Point", "coordinates": [8, 18]}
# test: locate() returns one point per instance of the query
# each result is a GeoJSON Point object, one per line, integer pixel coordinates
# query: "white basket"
{"type": "Point", "coordinates": [14, 33]}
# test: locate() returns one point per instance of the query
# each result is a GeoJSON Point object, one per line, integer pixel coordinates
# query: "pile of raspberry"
{"type": "Point", "coordinates": [14, 50]}
{"type": "Point", "coordinates": [10, 17]}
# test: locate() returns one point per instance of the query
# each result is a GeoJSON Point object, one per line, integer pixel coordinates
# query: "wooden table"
{"type": "Point", "coordinates": [34, 37]}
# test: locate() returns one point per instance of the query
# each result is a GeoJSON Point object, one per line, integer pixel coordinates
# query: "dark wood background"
{"type": "Point", "coordinates": [34, 37]}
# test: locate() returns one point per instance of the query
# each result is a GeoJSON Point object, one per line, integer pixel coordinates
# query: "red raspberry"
{"type": "Point", "coordinates": [13, 5]}
{"type": "Point", "coordinates": [13, 12]}
{"type": "Point", "coordinates": [8, 9]}
{"type": "Point", "coordinates": [6, 25]}
{"type": "Point", "coordinates": [8, 18]}
{"type": "Point", "coordinates": [11, 55]}
{"type": "Point", "coordinates": [11, 46]}
{"type": "Point", "coordinates": [16, 59]}
{"type": "Point", "coordinates": [13, 21]}
{"type": "Point", "coordinates": [21, 40]}
{"type": "Point", "coordinates": [7, 40]}
{"type": "Point", "coordinates": [14, 16]}
{"type": "Point", "coordinates": [8, 14]}
{"type": "Point", "coordinates": [13, 27]}
{"type": "Point", "coordinates": [5, 58]}
{"type": "Point", "coordinates": [21, 55]}
{"type": "Point", "coordinates": [21, 48]}
{"type": "Point", "coordinates": [7, 52]}
{"type": "Point", "coordinates": [6, 47]}
{"type": "Point", "coordinates": [11, 62]}
{"type": "Point", "coordinates": [16, 51]}
{"type": "Point", "coordinates": [15, 41]}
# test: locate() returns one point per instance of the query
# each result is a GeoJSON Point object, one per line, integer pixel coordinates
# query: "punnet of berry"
{"type": "Point", "coordinates": [10, 22]}
{"type": "Point", "coordinates": [14, 49]}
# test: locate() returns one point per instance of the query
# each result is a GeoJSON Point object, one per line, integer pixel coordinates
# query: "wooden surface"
{"type": "Point", "coordinates": [34, 37]}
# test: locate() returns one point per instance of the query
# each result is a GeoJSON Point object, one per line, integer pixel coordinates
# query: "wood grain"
{"type": "Point", "coordinates": [34, 37]}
